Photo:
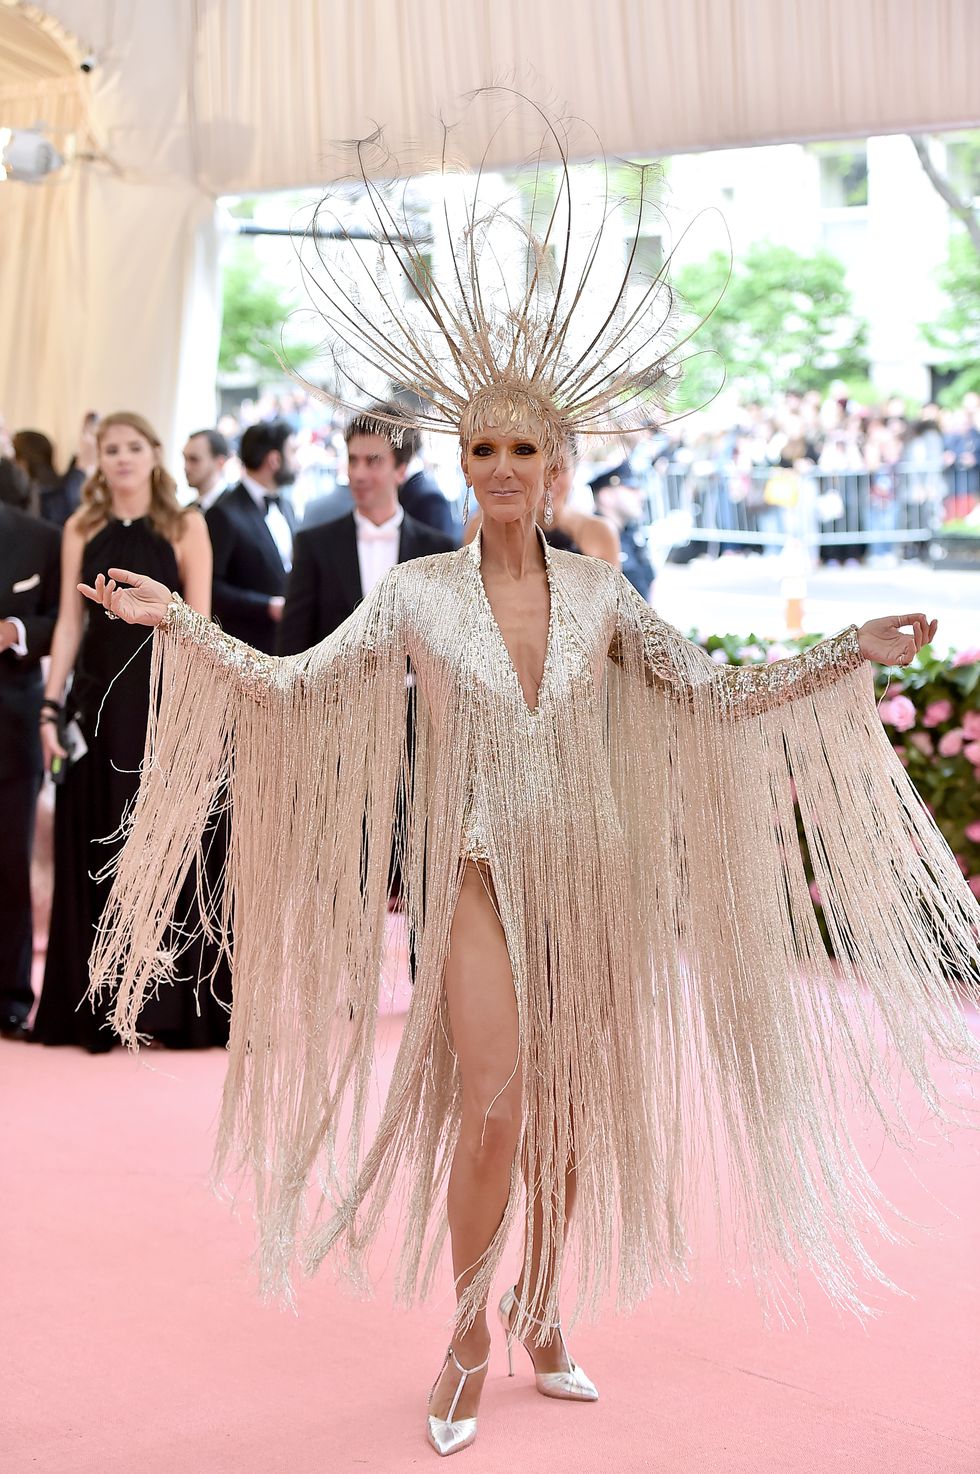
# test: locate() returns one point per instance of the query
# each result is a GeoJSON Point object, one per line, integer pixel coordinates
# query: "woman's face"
{"type": "Point", "coordinates": [506, 470]}
{"type": "Point", "coordinates": [126, 458]}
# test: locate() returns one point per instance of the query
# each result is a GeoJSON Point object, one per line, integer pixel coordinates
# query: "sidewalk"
{"type": "Point", "coordinates": [741, 595]}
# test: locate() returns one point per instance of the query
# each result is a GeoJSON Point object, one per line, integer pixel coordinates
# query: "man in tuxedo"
{"type": "Point", "coordinates": [338, 563]}
{"type": "Point", "coordinates": [30, 577]}
{"type": "Point", "coordinates": [251, 529]}
{"type": "Point", "coordinates": [418, 493]}
{"type": "Point", "coordinates": [204, 466]}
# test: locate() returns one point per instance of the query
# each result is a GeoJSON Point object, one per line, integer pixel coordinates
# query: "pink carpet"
{"type": "Point", "coordinates": [133, 1342]}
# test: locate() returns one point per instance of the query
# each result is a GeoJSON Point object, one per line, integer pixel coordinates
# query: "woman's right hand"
{"type": "Point", "coordinates": [50, 746]}
{"type": "Point", "coordinates": [129, 596]}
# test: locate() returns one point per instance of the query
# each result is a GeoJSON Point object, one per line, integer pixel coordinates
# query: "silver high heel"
{"type": "Point", "coordinates": [572, 1384]}
{"type": "Point", "coordinates": [446, 1436]}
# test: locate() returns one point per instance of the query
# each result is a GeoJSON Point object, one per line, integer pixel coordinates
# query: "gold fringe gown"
{"type": "Point", "coordinates": [679, 1013]}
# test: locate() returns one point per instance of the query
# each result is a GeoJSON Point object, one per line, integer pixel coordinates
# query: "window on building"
{"type": "Point", "coordinates": [843, 175]}
{"type": "Point", "coordinates": [420, 272]}
{"type": "Point", "coordinates": [963, 165]}
{"type": "Point", "coordinates": [649, 258]}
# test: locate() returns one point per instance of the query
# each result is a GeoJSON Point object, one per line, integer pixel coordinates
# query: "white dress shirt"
{"type": "Point", "coordinates": [274, 520]}
{"type": "Point", "coordinates": [377, 548]}
{"type": "Point", "coordinates": [207, 501]}
{"type": "Point", "coordinates": [19, 647]}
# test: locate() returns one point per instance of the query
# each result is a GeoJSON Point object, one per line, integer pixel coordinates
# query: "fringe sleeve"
{"type": "Point", "coordinates": [307, 752]}
{"type": "Point", "coordinates": [681, 668]}
{"type": "Point", "coordinates": [764, 1033]}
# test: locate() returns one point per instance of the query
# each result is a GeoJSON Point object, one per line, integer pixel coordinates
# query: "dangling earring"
{"type": "Point", "coordinates": [466, 508]}
{"type": "Point", "coordinates": [549, 509]}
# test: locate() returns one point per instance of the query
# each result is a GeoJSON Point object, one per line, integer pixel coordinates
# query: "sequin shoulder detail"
{"type": "Point", "coordinates": [256, 671]}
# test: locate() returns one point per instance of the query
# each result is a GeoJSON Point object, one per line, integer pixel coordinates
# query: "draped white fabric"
{"type": "Point", "coordinates": [108, 279]}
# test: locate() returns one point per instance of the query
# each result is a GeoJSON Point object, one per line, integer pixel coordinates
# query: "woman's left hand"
{"type": "Point", "coordinates": [883, 640]}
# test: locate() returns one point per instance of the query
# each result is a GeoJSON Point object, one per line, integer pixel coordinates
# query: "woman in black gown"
{"type": "Point", "coordinates": [129, 514]}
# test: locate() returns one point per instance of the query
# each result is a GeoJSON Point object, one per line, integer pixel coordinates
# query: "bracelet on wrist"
{"type": "Point", "coordinates": [49, 704]}
{"type": "Point", "coordinates": [48, 721]}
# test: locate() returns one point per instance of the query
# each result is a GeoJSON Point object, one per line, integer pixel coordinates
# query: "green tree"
{"type": "Point", "coordinates": [784, 321]}
{"type": "Point", "coordinates": [254, 323]}
{"type": "Point", "coordinates": [956, 329]}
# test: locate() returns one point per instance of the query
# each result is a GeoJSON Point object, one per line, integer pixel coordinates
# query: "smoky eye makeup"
{"type": "Point", "coordinates": [523, 448]}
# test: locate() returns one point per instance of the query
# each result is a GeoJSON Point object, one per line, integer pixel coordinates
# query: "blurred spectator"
{"type": "Point", "coordinates": [339, 562]}
{"type": "Point", "coordinates": [93, 731]}
{"type": "Point", "coordinates": [418, 493]}
{"type": "Point", "coordinates": [617, 498]}
{"type": "Point", "coordinates": [56, 497]}
{"type": "Point", "coordinates": [29, 580]}
{"type": "Point", "coordinates": [251, 529]}
{"type": "Point", "coordinates": [961, 441]}
{"type": "Point", "coordinates": [205, 455]}
{"type": "Point", "coordinates": [16, 488]}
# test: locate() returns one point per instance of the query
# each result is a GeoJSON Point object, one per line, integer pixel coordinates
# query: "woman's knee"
{"type": "Point", "coordinates": [491, 1129]}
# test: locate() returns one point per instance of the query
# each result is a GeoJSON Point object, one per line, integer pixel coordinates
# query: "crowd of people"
{"type": "Point", "coordinates": [856, 481]}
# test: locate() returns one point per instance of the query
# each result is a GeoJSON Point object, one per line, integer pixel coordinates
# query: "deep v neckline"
{"type": "Point", "coordinates": [476, 548]}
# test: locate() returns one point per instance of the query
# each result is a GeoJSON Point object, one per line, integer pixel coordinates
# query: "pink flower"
{"type": "Point", "coordinates": [966, 657]}
{"type": "Point", "coordinates": [974, 884]}
{"type": "Point", "coordinates": [815, 895]}
{"type": "Point", "coordinates": [923, 742]}
{"type": "Point", "coordinates": [971, 725]}
{"type": "Point", "coordinates": [972, 753]}
{"type": "Point", "coordinates": [890, 691]}
{"type": "Point", "coordinates": [951, 743]}
{"type": "Point", "coordinates": [936, 713]}
{"type": "Point", "coordinates": [972, 831]}
{"type": "Point", "coordinates": [962, 864]}
{"type": "Point", "coordinates": [898, 713]}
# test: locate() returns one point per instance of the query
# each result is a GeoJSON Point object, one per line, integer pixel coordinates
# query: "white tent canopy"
{"type": "Point", "coordinates": [108, 274]}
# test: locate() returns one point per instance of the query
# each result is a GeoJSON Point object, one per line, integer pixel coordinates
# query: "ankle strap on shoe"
{"type": "Point", "coordinates": [467, 1371]}
{"type": "Point", "coordinates": [547, 1325]}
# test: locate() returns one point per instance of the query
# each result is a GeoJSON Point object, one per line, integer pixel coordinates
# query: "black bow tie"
{"type": "Point", "coordinates": [270, 502]}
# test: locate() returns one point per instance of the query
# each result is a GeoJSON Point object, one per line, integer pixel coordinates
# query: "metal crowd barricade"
{"type": "Point", "coordinates": [766, 507]}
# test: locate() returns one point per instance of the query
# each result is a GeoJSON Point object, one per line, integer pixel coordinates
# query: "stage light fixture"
{"type": "Point", "coordinates": [26, 155]}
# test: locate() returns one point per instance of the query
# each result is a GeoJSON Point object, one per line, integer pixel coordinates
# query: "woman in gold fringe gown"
{"type": "Point", "coordinates": [620, 981]}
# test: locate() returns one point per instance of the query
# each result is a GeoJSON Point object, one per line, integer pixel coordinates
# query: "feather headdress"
{"type": "Point", "coordinates": [524, 307]}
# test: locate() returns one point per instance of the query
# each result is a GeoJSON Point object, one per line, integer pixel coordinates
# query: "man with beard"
{"type": "Point", "coordinates": [251, 529]}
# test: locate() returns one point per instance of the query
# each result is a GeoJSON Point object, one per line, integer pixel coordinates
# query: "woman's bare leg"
{"type": "Point", "coordinates": [483, 1018]}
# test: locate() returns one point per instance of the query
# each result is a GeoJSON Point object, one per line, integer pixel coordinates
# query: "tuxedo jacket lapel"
{"type": "Point", "coordinates": [344, 548]}
{"type": "Point", "coordinates": [258, 517]}
{"type": "Point", "coordinates": [408, 542]}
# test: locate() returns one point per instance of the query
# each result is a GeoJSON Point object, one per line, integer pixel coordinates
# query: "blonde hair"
{"type": "Point", "coordinates": [511, 405]}
{"type": "Point", "coordinates": [166, 513]}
